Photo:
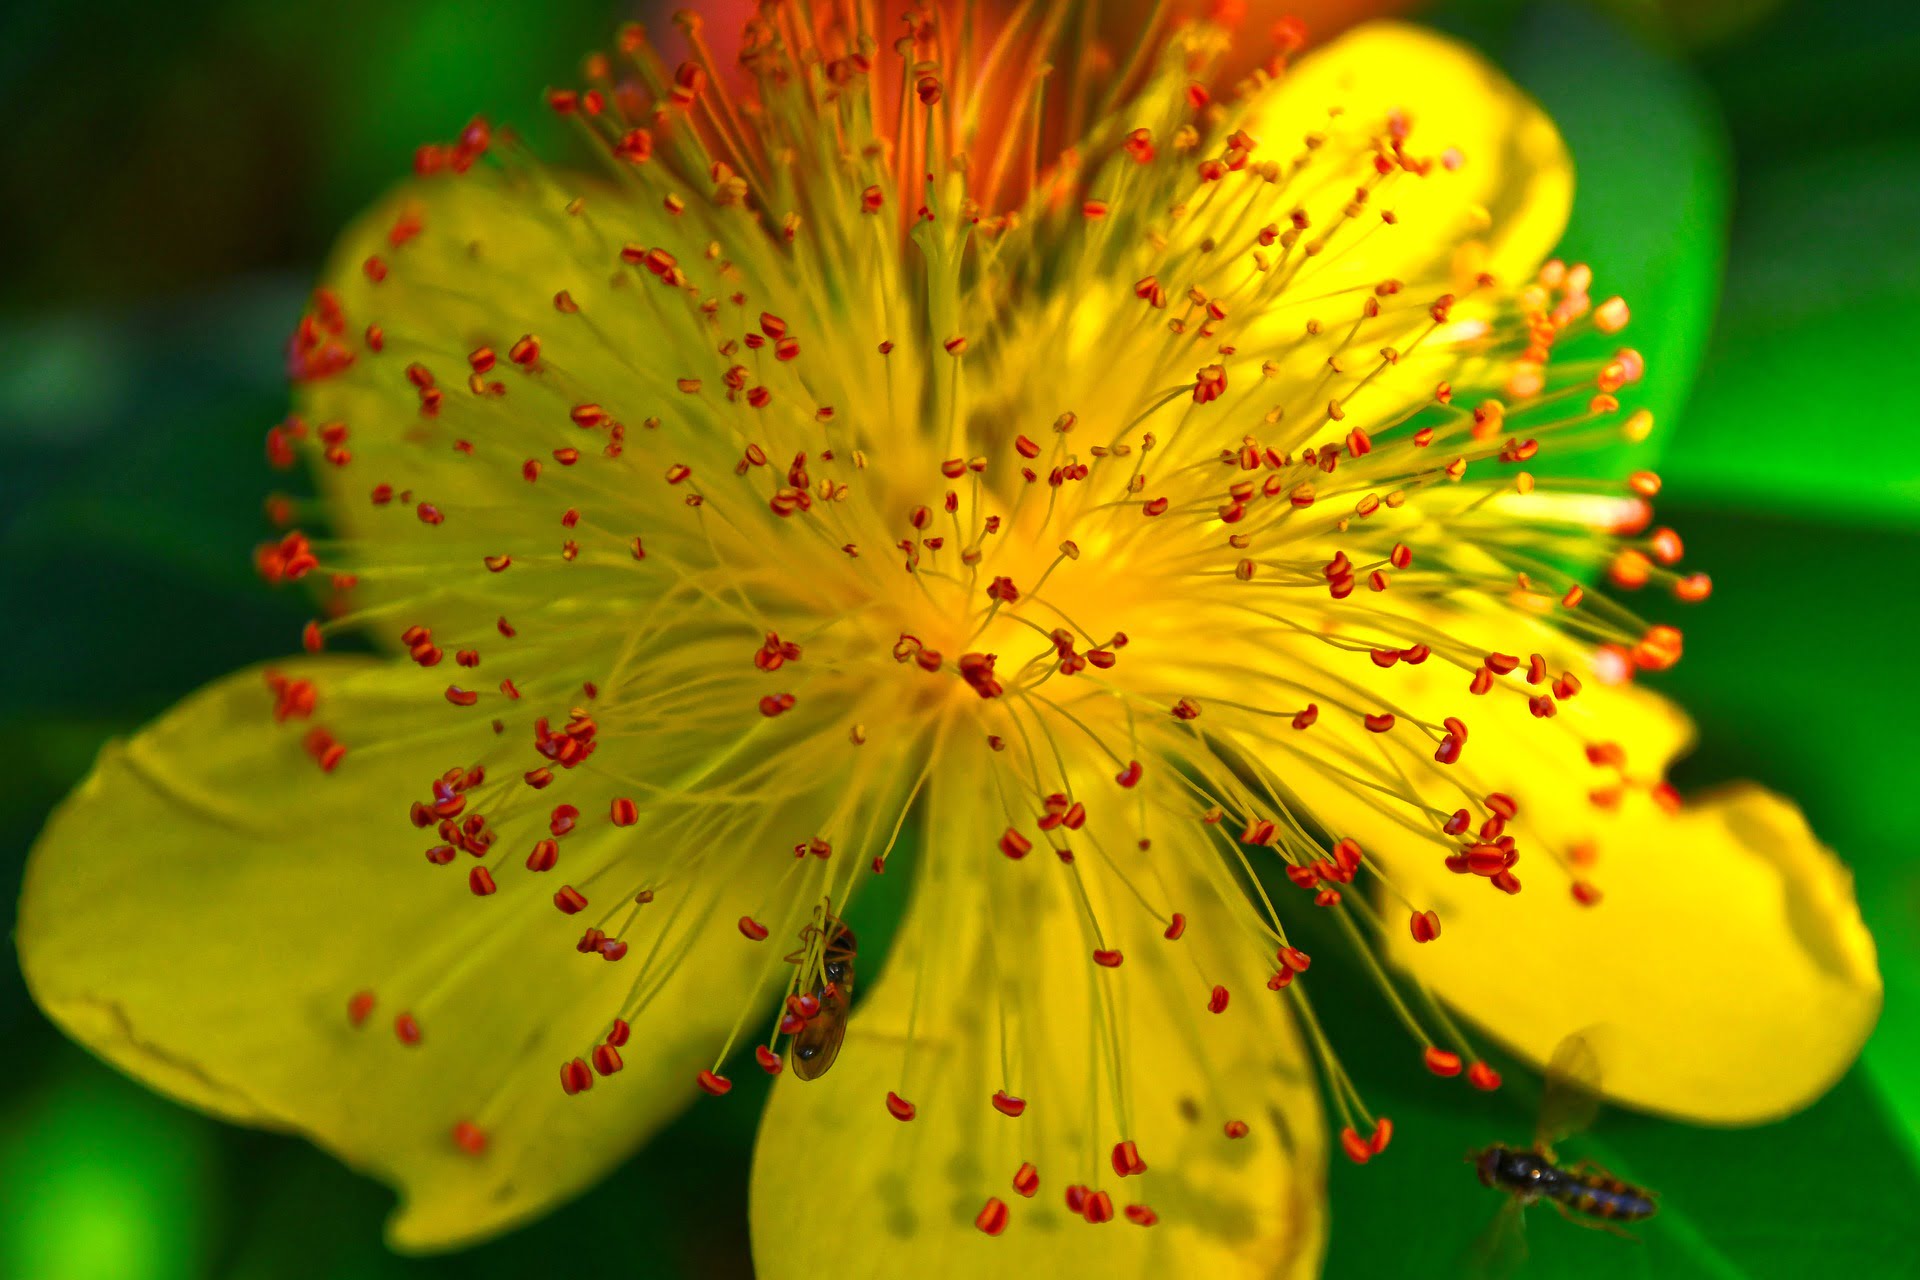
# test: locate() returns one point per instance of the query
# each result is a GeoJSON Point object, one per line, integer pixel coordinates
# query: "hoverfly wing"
{"type": "Point", "coordinates": [1500, 1250]}
{"type": "Point", "coordinates": [1571, 1097]}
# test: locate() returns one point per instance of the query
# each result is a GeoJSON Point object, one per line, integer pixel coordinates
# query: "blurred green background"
{"type": "Point", "coordinates": [1749, 178]}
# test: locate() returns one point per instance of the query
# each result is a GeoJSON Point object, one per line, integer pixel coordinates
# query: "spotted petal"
{"type": "Point", "coordinates": [993, 988]}
{"type": "Point", "coordinates": [184, 916]}
{"type": "Point", "coordinates": [1717, 944]}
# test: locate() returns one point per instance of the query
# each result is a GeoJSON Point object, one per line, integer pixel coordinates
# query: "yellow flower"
{"type": "Point", "coordinates": [1148, 529]}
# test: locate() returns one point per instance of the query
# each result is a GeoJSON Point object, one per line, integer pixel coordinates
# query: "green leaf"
{"type": "Point", "coordinates": [101, 1180]}
{"type": "Point", "coordinates": [1799, 404]}
{"type": "Point", "coordinates": [1777, 702]}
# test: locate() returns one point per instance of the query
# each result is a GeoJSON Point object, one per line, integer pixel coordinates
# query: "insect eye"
{"type": "Point", "coordinates": [836, 970]}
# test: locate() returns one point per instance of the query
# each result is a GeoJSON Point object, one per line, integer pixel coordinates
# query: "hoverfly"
{"type": "Point", "coordinates": [1582, 1192]}
{"type": "Point", "coordinates": [826, 952]}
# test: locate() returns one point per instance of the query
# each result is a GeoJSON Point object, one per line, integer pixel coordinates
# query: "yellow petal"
{"type": "Point", "coordinates": [1513, 185]}
{"type": "Point", "coordinates": [202, 909]}
{"type": "Point", "coordinates": [1726, 955]}
{"type": "Point", "coordinates": [995, 960]}
{"type": "Point", "coordinates": [1724, 967]}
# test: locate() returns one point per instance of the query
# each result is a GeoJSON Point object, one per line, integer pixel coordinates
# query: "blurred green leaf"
{"type": "Point", "coordinates": [1822, 311]}
{"type": "Point", "coordinates": [1763, 676]}
{"type": "Point", "coordinates": [101, 1180]}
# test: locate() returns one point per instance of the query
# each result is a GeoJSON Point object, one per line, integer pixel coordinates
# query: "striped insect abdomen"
{"type": "Point", "coordinates": [1599, 1196]}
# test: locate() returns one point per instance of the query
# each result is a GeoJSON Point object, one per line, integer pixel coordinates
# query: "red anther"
{"type": "Point", "coordinates": [1141, 1216]}
{"type": "Point", "coordinates": [1575, 594]}
{"type": "Point", "coordinates": [1294, 958]}
{"type": "Point", "coordinates": [1501, 663]}
{"type": "Point", "coordinates": [1402, 556]}
{"type": "Point", "coordinates": [1236, 1128]}
{"type": "Point", "coordinates": [563, 819]}
{"type": "Point", "coordinates": [1384, 657]}
{"type": "Point", "coordinates": [1126, 1159]}
{"type": "Point", "coordinates": [1015, 845]}
{"type": "Point", "coordinates": [803, 1005]}
{"type": "Point", "coordinates": [1382, 1135]}
{"type": "Point", "coordinates": [625, 812]}
{"type": "Point", "coordinates": [1217, 1002]}
{"type": "Point", "coordinates": [1378, 723]}
{"type": "Point", "coordinates": [992, 1217]}
{"type": "Point", "coordinates": [612, 950]}
{"type": "Point", "coordinates": [1347, 856]}
{"type": "Point", "coordinates": [1666, 546]}
{"type": "Point", "coordinates": [1448, 752]}
{"type": "Point", "coordinates": [1659, 649]}
{"type": "Point", "coordinates": [407, 1029]}
{"type": "Point", "coordinates": [1099, 1208]}
{"type": "Point", "coordinates": [1175, 928]}
{"type": "Point", "coordinates": [1486, 859]}
{"type": "Point", "coordinates": [1025, 447]}
{"type": "Point", "coordinates": [774, 704]}
{"type": "Point", "coordinates": [769, 1060]}
{"type": "Point", "coordinates": [1108, 959]}
{"type": "Point", "coordinates": [751, 928]}
{"type": "Point", "coordinates": [470, 1137]}
{"type": "Point", "coordinates": [1503, 804]}
{"type": "Point", "coordinates": [480, 880]}
{"type": "Point", "coordinates": [1026, 1179]}
{"type": "Point", "coordinates": [1481, 682]}
{"type": "Point", "coordinates": [713, 1084]}
{"type": "Point", "coordinates": [1355, 1146]}
{"type": "Point", "coordinates": [1644, 483]}
{"type": "Point", "coordinates": [1693, 588]}
{"type": "Point", "coordinates": [545, 854]}
{"type": "Point", "coordinates": [635, 146]}
{"type": "Point", "coordinates": [1280, 979]}
{"type": "Point", "coordinates": [575, 1076]}
{"type": "Point", "coordinates": [1425, 926]}
{"type": "Point", "coordinates": [1306, 877]}
{"type": "Point", "coordinates": [1008, 1105]}
{"type": "Point", "coordinates": [1566, 685]}
{"type": "Point", "coordinates": [1663, 794]}
{"type": "Point", "coordinates": [1303, 719]}
{"type": "Point", "coordinates": [312, 641]}
{"type": "Point", "coordinates": [1585, 894]}
{"type": "Point", "coordinates": [1506, 882]}
{"type": "Point", "coordinates": [1629, 569]}
{"type": "Point", "coordinates": [570, 900]}
{"type": "Point", "coordinates": [1483, 1077]}
{"type": "Point", "coordinates": [1442, 1062]}
{"type": "Point", "coordinates": [1210, 383]}
{"type": "Point", "coordinates": [359, 1006]}
{"type": "Point", "coordinates": [1130, 775]}
{"type": "Point", "coordinates": [617, 1035]}
{"type": "Point", "coordinates": [899, 1108]}
{"type": "Point", "coordinates": [789, 1024]}
{"type": "Point", "coordinates": [606, 1059]}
